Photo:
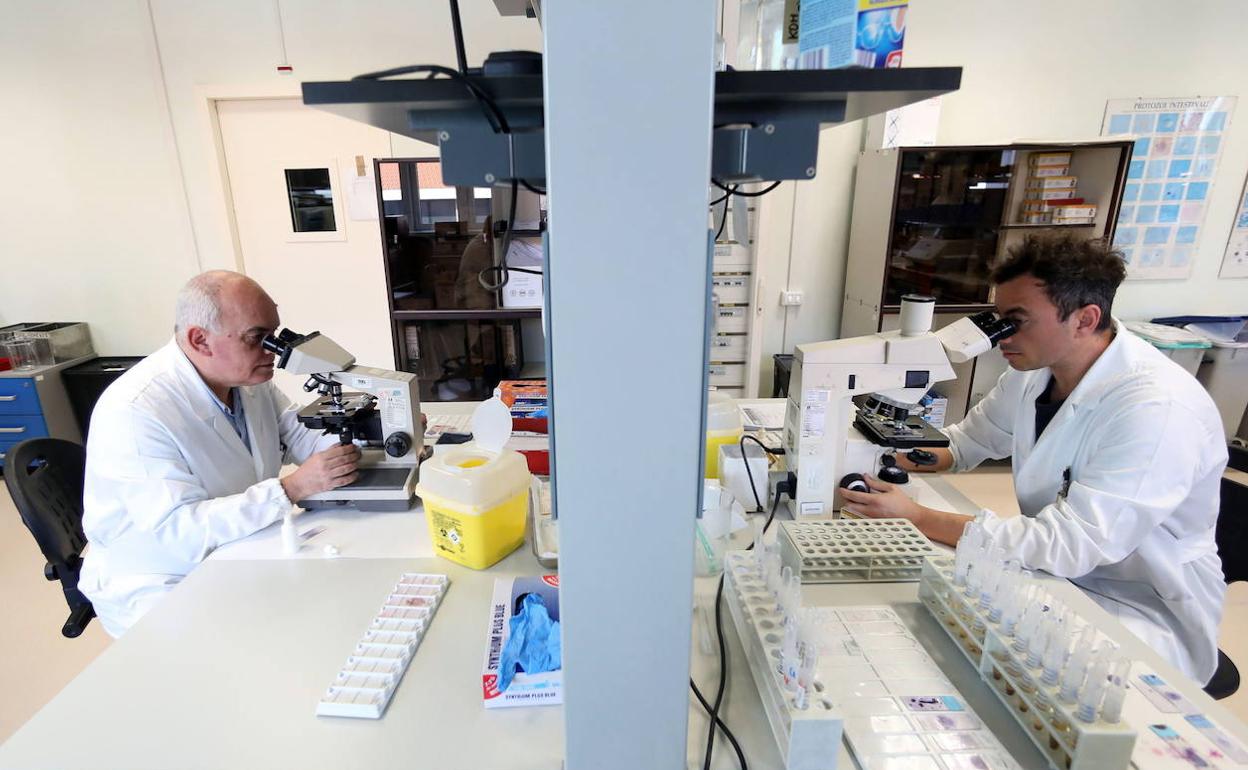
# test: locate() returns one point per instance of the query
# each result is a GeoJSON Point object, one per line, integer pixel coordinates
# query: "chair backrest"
{"type": "Point", "coordinates": [1232, 530]}
{"type": "Point", "coordinates": [45, 479]}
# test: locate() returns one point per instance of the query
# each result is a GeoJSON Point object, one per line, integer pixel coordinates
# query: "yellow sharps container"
{"type": "Point", "coordinates": [476, 495]}
{"type": "Point", "coordinates": [723, 426]}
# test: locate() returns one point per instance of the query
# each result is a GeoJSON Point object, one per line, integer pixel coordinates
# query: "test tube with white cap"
{"type": "Point", "coordinates": [1116, 689]}
{"type": "Point", "coordinates": [1094, 688]}
{"type": "Point", "coordinates": [1076, 667]}
{"type": "Point", "coordinates": [992, 577]}
{"type": "Point", "coordinates": [1030, 621]}
{"type": "Point", "coordinates": [1007, 604]}
{"type": "Point", "coordinates": [782, 594]}
{"type": "Point", "coordinates": [967, 545]}
{"type": "Point", "coordinates": [1055, 650]}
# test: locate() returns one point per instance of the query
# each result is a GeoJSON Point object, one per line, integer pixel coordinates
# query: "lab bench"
{"type": "Point", "coordinates": [34, 404]}
{"type": "Point", "coordinates": [227, 671]}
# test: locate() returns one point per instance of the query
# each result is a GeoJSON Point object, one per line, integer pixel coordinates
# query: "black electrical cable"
{"type": "Point", "coordinates": [736, 747]}
{"type": "Point", "coordinates": [733, 189]}
{"type": "Point", "coordinates": [723, 652]}
{"type": "Point", "coordinates": [493, 114]}
{"type": "Point", "coordinates": [458, 30]}
{"type": "Point", "coordinates": [723, 220]}
{"type": "Point", "coordinates": [502, 270]}
{"type": "Point", "coordinates": [750, 474]}
{"type": "Point", "coordinates": [532, 187]}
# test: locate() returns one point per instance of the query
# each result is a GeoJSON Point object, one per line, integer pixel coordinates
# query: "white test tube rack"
{"type": "Point", "coordinates": [367, 681]}
{"type": "Point", "coordinates": [1066, 741]}
{"type": "Point", "coordinates": [809, 738]}
{"type": "Point", "coordinates": [854, 550]}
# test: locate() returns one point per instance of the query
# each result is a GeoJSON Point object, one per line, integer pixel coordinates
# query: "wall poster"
{"type": "Point", "coordinates": [1178, 142]}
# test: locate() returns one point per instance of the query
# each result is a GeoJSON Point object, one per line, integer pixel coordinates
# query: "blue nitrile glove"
{"type": "Point", "coordinates": [534, 643]}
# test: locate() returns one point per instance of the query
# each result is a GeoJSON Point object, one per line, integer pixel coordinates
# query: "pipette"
{"type": "Point", "coordinates": [1116, 689]}
{"type": "Point", "coordinates": [1076, 667]}
{"type": "Point", "coordinates": [1094, 688]}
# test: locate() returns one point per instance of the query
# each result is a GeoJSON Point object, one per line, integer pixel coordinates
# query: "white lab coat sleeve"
{"type": "Point", "coordinates": [1143, 464]}
{"type": "Point", "coordinates": [987, 431]}
{"type": "Point", "coordinates": [170, 522]}
{"type": "Point", "coordinates": [300, 442]}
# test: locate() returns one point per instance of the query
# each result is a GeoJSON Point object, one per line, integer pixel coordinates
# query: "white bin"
{"type": "Point", "coordinates": [1185, 348]}
{"type": "Point", "coordinates": [1224, 372]}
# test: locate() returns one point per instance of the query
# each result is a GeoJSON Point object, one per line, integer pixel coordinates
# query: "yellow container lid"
{"type": "Point", "coordinates": [481, 474]}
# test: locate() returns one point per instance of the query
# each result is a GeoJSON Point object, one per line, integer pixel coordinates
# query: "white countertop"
{"type": "Point", "coordinates": [227, 671]}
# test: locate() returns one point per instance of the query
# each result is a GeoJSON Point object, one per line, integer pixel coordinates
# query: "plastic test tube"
{"type": "Point", "coordinates": [1076, 667]}
{"type": "Point", "coordinates": [967, 544]}
{"type": "Point", "coordinates": [1055, 649]}
{"type": "Point", "coordinates": [1006, 603]}
{"type": "Point", "coordinates": [992, 578]}
{"type": "Point", "coordinates": [1116, 689]}
{"type": "Point", "coordinates": [760, 548]}
{"type": "Point", "coordinates": [1094, 688]}
{"type": "Point", "coordinates": [792, 594]}
{"type": "Point", "coordinates": [782, 591]}
{"type": "Point", "coordinates": [1029, 623]}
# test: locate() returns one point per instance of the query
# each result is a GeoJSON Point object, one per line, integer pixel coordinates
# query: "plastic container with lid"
{"type": "Point", "coordinates": [1181, 346]}
{"type": "Point", "coordinates": [476, 495]}
{"type": "Point", "coordinates": [723, 426]}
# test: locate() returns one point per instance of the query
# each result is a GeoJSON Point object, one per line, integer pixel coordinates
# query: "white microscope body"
{"type": "Point", "coordinates": [378, 409]}
{"type": "Point", "coordinates": [827, 437]}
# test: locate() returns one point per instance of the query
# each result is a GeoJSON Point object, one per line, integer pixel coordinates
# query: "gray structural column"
{"type": "Point", "coordinates": [629, 88]}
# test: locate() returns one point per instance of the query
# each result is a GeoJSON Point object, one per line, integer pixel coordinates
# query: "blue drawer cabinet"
{"type": "Point", "coordinates": [19, 396]}
{"type": "Point", "coordinates": [34, 404]}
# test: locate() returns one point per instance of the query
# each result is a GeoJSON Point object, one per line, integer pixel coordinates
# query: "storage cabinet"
{"type": "Point", "coordinates": [34, 404]}
{"type": "Point", "coordinates": [933, 220]}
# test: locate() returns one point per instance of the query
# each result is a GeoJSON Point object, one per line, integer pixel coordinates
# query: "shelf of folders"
{"type": "Point", "coordinates": [1060, 678]}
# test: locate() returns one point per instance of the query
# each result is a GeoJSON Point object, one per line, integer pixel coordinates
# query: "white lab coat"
{"type": "Point", "coordinates": [168, 480]}
{"type": "Point", "coordinates": [1145, 448]}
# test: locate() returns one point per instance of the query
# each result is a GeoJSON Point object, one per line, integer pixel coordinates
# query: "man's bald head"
{"type": "Point", "coordinates": [220, 320]}
{"type": "Point", "coordinates": [207, 297]}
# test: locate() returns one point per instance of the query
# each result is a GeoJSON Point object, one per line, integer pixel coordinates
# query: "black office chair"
{"type": "Point", "coordinates": [45, 477]}
{"type": "Point", "coordinates": [1232, 539]}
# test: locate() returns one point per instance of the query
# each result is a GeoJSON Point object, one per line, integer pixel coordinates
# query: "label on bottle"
{"type": "Point", "coordinates": [792, 12]}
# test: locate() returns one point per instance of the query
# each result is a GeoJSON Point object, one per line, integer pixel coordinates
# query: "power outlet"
{"type": "Point", "coordinates": [790, 298]}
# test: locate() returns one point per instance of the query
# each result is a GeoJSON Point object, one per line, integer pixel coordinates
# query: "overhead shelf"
{"type": "Point", "coordinates": [766, 123]}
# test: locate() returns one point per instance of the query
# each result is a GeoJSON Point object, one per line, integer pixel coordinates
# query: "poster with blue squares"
{"type": "Point", "coordinates": [1178, 142]}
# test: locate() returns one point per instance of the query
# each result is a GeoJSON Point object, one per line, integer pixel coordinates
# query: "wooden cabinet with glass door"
{"type": "Point", "coordinates": [455, 327]}
{"type": "Point", "coordinates": [933, 220]}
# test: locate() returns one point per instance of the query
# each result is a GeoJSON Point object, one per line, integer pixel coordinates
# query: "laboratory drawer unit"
{"type": "Point", "coordinates": [34, 404]}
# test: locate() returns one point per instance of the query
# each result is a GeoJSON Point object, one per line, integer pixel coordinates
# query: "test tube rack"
{"type": "Point", "coordinates": [854, 550]}
{"type": "Point", "coordinates": [364, 686]}
{"type": "Point", "coordinates": [809, 738]}
{"type": "Point", "coordinates": [1067, 742]}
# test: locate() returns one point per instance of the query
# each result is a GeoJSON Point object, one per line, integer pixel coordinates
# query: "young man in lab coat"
{"type": "Point", "coordinates": [185, 448]}
{"type": "Point", "coordinates": [1117, 455]}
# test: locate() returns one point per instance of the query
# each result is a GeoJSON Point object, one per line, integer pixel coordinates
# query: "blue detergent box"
{"type": "Point", "coordinates": [851, 33]}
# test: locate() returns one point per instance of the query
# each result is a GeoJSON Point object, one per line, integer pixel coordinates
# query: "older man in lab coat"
{"type": "Point", "coordinates": [1117, 455]}
{"type": "Point", "coordinates": [185, 448]}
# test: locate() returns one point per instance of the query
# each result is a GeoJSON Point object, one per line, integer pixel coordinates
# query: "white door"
{"type": "Point", "coordinates": [292, 172]}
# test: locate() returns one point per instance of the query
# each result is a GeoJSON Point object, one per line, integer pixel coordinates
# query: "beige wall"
{"type": "Point", "coordinates": [114, 193]}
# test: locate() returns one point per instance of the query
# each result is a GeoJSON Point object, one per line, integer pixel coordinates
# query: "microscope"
{"type": "Point", "coordinates": [380, 411]}
{"type": "Point", "coordinates": [851, 401]}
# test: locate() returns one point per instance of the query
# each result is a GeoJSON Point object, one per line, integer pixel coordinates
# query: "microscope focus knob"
{"type": "Point", "coordinates": [921, 456]}
{"type": "Point", "coordinates": [890, 472]}
{"type": "Point", "coordinates": [854, 482]}
{"type": "Point", "coordinates": [398, 444]}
